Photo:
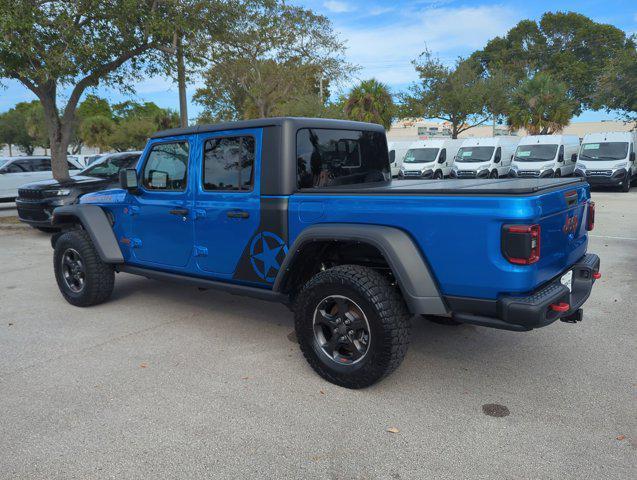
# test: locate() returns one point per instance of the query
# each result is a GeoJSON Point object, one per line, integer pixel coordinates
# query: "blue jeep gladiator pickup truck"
{"type": "Point", "coordinates": [304, 211]}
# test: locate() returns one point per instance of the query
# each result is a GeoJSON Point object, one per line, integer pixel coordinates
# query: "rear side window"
{"type": "Point", "coordinates": [42, 165]}
{"type": "Point", "coordinates": [327, 158]}
{"type": "Point", "coordinates": [167, 167]}
{"type": "Point", "coordinates": [228, 164]}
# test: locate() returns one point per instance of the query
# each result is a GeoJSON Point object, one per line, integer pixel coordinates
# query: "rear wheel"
{"type": "Point", "coordinates": [83, 278]}
{"type": "Point", "coordinates": [352, 325]}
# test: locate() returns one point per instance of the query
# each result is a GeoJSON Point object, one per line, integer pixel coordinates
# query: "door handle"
{"type": "Point", "coordinates": [182, 212]}
{"type": "Point", "coordinates": [238, 214]}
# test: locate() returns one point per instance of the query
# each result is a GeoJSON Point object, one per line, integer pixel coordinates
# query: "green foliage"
{"type": "Point", "coordinates": [541, 105]}
{"type": "Point", "coordinates": [136, 122]}
{"type": "Point", "coordinates": [370, 101]}
{"type": "Point", "coordinates": [96, 131]}
{"type": "Point", "coordinates": [570, 47]}
{"type": "Point", "coordinates": [617, 89]}
{"type": "Point", "coordinates": [23, 126]}
{"type": "Point", "coordinates": [275, 59]}
{"type": "Point", "coordinates": [82, 44]}
{"type": "Point", "coordinates": [457, 95]}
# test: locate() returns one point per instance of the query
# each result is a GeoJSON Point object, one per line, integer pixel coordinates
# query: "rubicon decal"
{"type": "Point", "coordinates": [571, 225]}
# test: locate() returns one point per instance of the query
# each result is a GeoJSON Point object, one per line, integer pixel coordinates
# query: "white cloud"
{"type": "Point", "coordinates": [338, 7]}
{"type": "Point", "coordinates": [380, 10]}
{"type": "Point", "coordinates": [386, 52]}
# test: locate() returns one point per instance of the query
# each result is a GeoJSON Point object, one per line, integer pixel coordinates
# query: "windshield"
{"type": "Point", "coordinates": [2, 162]}
{"type": "Point", "coordinates": [110, 166]}
{"type": "Point", "coordinates": [421, 155]}
{"type": "Point", "coordinates": [604, 151]}
{"type": "Point", "coordinates": [475, 154]}
{"type": "Point", "coordinates": [535, 153]}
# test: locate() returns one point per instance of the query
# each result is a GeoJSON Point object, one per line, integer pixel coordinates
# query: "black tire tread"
{"type": "Point", "coordinates": [100, 276]}
{"type": "Point", "coordinates": [389, 307]}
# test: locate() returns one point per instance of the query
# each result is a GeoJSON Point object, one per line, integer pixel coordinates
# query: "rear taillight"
{"type": "Point", "coordinates": [521, 243]}
{"type": "Point", "coordinates": [590, 218]}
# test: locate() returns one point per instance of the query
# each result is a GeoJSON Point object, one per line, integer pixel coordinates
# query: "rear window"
{"type": "Point", "coordinates": [327, 158]}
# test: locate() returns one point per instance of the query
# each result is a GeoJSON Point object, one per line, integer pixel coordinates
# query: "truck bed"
{"type": "Point", "coordinates": [496, 186]}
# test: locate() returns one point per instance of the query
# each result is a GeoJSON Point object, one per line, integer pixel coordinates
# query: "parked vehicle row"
{"type": "Point", "coordinates": [16, 171]}
{"type": "Point", "coordinates": [602, 158]}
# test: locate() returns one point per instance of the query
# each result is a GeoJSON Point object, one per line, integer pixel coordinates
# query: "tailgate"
{"type": "Point", "coordinates": [564, 236]}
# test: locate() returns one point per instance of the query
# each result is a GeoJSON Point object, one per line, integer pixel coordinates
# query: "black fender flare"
{"type": "Point", "coordinates": [414, 277]}
{"type": "Point", "coordinates": [94, 220]}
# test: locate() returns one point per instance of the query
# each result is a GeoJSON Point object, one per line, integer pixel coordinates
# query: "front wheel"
{"type": "Point", "coordinates": [83, 278]}
{"type": "Point", "coordinates": [438, 175]}
{"type": "Point", "coordinates": [494, 174]}
{"type": "Point", "coordinates": [352, 325]}
{"type": "Point", "coordinates": [626, 184]}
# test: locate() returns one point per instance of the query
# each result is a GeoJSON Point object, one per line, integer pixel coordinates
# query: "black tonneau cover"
{"type": "Point", "coordinates": [496, 186]}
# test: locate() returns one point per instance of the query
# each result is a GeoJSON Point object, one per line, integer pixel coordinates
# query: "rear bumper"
{"type": "Point", "coordinates": [536, 309]}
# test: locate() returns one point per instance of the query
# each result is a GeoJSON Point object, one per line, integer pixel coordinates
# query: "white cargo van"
{"type": "Point", "coordinates": [429, 158]}
{"type": "Point", "coordinates": [545, 156]}
{"type": "Point", "coordinates": [397, 151]}
{"type": "Point", "coordinates": [485, 157]}
{"type": "Point", "coordinates": [608, 158]}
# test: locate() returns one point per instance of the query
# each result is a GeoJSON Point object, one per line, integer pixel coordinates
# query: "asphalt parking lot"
{"type": "Point", "coordinates": [171, 382]}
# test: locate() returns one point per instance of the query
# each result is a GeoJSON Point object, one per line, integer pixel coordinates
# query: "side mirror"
{"type": "Point", "coordinates": [574, 157]}
{"type": "Point", "coordinates": [560, 157]}
{"type": "Point", "coordinates": [128, 180]}
{"type": "Point", "coordinates": [631, 157]}
{"type": "Point", "coordinates": [496, 160]}
{"type": "Point", "coordinates": [442, 160]}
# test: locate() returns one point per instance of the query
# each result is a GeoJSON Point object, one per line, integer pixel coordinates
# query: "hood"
{"type": "Point", "coordinates": [472, 165]}
{"type": "Point", "coordinates": [603, 164]}
{"type": "Point", "coordinates": [419, 166]}
{"type": "Point", "coordinates": [77, 181]}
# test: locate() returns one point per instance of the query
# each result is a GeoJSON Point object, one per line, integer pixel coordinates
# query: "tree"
{"type": "Point", "coordinates": [457, 95]}
{"type": "Point", "coordinates": [135, 122]}
{"type": "Point", "coordinates": [370, 101]}
{"type": "Point", "coordinates": [14, 129]}
{"type": "Point", "coordinates": [48, 46]}
{"type": "Point", "coordinates": [36, 125]}
{"type": "Point", "coordinates": [272, 61]}
{"type": "Point", "coordinates": [570, 47]}
{"type": "Point", "coordinates": [617, 88]}
{"type": "Point", "coordinates": [96, 131]}
{"type": "Point", "coordinates": [541, 105]}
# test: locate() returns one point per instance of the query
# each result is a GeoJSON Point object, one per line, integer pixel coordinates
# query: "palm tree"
{"type": "Point", "coordinates": [541, 105]}
{"type": "Point", "coordinates": [370, 101]}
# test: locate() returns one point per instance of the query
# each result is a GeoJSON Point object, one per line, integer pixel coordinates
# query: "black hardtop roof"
{"type": "Point", "coordinates": [294, 122]}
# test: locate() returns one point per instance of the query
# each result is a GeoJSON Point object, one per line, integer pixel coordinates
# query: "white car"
{"type": "Point", "coordinates": [541, 156]}
{"type": "Point", "coordinates": [17, 171]}
{"type": "Point", "coordinates": [608, 159]}
{"type": "Point", "coordinates": [485, 157]}
{"type": "Point", "coordinates": [397, 151]}
{"type": "Point", "coordinates": [429, 159]}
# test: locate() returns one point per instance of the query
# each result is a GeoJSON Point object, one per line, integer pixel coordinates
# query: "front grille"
{"type": "Point", "coordinates": [34, 213]}
{"type": "Point", "coordinates": [599, 173]}
{"type": "Point", "coordinates": [466, 173]}
{"type": "Point", "coordinates": [529, 173]}
{"type": "Point", "coordinates": [30, 193]}
{"type": "Point", "coordinates": [412, 173]}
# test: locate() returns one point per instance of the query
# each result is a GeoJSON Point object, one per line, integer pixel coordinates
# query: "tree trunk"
{"type": "Point", "coordinates": [181, 84]}
{"type": "Point", "coordinates": [59, 134]}
{"type": "Point", "coordinates": [10, 152]}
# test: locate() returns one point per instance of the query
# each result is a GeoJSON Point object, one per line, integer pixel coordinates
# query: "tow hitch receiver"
{"type": "Point", "coordinates": [574, 317]}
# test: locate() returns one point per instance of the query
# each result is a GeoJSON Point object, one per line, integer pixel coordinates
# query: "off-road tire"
{"type": "Point", "coordinates": [99, 277]}
{"type": "Point", "coordinates": [386, 313]}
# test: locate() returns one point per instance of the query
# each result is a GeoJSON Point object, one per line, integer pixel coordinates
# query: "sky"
{"type": "Point", "coordinates": [383, 37]}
